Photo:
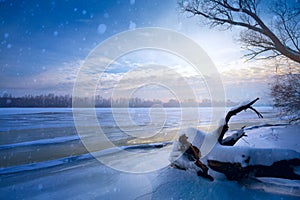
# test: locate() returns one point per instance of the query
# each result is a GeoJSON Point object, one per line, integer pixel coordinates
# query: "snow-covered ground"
{"type": "Point", "coordinates": [91, 180]}
{"type": "Point", "coordinates": [81, 176]}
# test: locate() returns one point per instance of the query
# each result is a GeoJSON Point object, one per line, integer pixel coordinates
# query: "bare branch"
{"type": "Point", "coordinates": [244, 13]}
{"type": "Point", "coordinates": [221, 21]}
{"type": "Point", "coordinates": [235, 112]}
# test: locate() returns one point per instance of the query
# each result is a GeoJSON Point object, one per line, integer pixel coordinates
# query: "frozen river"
{"type": "Point", "coordinates": [43, 157]}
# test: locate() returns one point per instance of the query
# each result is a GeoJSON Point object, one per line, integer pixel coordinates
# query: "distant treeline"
{"type": "Point", "coordinates": [65, 101]}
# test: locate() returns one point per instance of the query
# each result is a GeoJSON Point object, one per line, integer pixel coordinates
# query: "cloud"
{"type": "Point", "coordinates": [124, 78]}
{"type": "Point", "coordinates": [163, 81]}
{"type": "Point", "coordinates": [57, 79]}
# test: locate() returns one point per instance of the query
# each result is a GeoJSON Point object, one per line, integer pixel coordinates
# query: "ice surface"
{"type": "Point", "coordinates": [41, 142]}
{"type": "Point", "coordinates": [82, 177]}
{"type": "Point", "coordinates": [43, 165]}
{"type": "Point", "coordinates": [92, 180]}
{"type": "Point", "coordinates": [116, 151]}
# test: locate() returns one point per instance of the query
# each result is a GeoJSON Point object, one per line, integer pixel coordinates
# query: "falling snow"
{"type": "Point", "coordinates": [40, 186]}
{"type": "Point", "coordinates": [132, 25]}
{"type": "Point", "coordinates": [132, 2]}
{"type": "Point", "coordinates": [101, 28]}
{"type": "Point", "coordinates": [106, 15]}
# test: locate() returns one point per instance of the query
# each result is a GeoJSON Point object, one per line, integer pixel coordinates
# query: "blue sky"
{"type": "Point", "coordinates": [48, 33]}
{"type": "Point", "coordinates": [43, 43]}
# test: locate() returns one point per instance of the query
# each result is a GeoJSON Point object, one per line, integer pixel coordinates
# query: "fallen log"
{"type": "Point", "coordinates": [235, 171]}
{"type": "Point", "coordinates": [234, 162]}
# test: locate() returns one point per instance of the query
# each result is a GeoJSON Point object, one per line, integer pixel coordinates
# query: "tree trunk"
{"type": "Point", "coordinates": [235, 171]}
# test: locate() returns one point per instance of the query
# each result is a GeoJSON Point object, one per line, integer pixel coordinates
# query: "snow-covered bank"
{"type": "Point", "coordinates": [282, 137]}
{"type": "Point", "coordinates": [264, 146]}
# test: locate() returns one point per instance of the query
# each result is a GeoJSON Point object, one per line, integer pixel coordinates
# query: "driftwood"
{"type": "Point", "coordinates": [231, 113]}
{"type": "Point", "coordinates": [279, 169]}
{"type": "Point", "coordinates": [235, 170]}
{"type": "Point", "coordinates": [238, 163]}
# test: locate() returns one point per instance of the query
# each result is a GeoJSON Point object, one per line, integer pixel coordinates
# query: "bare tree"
{"type": "Point", "coordinates": [278, 33]}
{"type": "Point", "coordinates": [285, 89]}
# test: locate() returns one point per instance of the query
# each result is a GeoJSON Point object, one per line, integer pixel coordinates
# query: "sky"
{"type": "Point", "coordinates": [44, 43]}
